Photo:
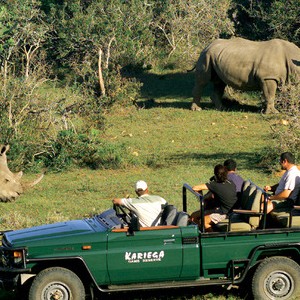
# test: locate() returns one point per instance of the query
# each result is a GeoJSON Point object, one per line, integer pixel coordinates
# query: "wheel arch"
{"type": "Point", "coordinates": [259, 254]}
{"type": "Point", "coordinates": [266, 251]}
{"type": "Point", "coordinates": [74, 264]}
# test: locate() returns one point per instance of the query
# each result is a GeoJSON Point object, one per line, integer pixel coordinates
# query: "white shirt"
{"type": "Point", "coordinates": [146, 207]}
{"type": "Point", "coordinates": [290, 180]}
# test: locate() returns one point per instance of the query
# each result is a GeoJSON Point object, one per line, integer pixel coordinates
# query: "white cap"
{"type": "Point", "coordinates": [141, 185]}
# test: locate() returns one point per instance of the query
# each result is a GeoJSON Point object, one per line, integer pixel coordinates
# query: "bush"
{"type": "Point", "coordinates": [80, 150]}
{"type": "Point", "coordinates": [53, 131]}
{"type": "Point", "coordinates": [286, 127]}
{"type": "Point", "coordinates": [263, 20]}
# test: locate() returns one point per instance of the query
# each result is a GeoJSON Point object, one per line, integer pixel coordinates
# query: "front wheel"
{"type": "Point", "coordinates": [276, 278]}
{"type": "Point", "coordinates": [56, 284]}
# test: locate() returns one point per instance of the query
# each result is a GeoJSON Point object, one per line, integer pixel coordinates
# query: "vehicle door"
{"type": "Point", "coordinates": [148, 255]}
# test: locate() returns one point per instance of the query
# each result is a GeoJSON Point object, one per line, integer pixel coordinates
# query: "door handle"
{"type": "Point", "coordinates": [169, 241]}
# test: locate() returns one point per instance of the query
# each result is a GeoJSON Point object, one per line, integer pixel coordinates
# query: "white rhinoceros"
{"type": "Point", "coordinates": [245, 65]}
{"type": "Point", "coordinates": [10, 183]}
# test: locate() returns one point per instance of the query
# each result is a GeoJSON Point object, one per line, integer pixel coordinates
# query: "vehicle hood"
{"type": "Point", "coordinates": [56, 231]}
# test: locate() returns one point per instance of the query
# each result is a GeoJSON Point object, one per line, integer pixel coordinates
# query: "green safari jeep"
{"type": "Point", "coordinates": [110, 252]}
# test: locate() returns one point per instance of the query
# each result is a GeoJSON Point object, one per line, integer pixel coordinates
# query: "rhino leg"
{"type": "Point", "coordinates": [197, 92]}
{"type": "Point", "coordinates": [202, 78]}
{"type": "Point", "coordinates": [269, 88]}
{"type": "Point", "coordinates": [196, 105]}
{"type": "Point", "coordinates": [217, 95]}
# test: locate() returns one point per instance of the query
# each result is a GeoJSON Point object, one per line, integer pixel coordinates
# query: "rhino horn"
{"type": "Point", "coordinates": [35, 182]}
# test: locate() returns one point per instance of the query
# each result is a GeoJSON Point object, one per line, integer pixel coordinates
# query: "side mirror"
{"type": "Point", "coordinates": [134, 225]}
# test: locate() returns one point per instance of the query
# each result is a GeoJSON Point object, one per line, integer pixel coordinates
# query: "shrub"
{"type": "Point", "coordinates": [80, 150]}
{"type": "Point", "coordinates": [286, 127]}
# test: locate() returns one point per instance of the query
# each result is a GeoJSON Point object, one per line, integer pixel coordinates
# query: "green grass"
{"type": "Point", "coordinates": [167, 146]}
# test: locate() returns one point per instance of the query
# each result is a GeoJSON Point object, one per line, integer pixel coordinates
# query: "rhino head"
{"type": "Point", "coordinates": [10, 183]}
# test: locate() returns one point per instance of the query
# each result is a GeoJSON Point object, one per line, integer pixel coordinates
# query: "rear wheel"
{"type": "Point", "coordinates": [276, 278]}
{"type": "Point", "coordinates": [57, 284]}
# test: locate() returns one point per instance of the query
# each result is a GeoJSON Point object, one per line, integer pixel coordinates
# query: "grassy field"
{"type": "Point", "coordinates": [174, 145]}
{"type": "Point", "coordinates": [168, 145]}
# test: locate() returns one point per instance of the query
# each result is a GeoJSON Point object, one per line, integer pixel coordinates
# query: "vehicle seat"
{"type": "Point", "coordinates": [248, 217]}
{"type": "Point", "coordinates": [247, 190]}
{"type": "Point", "coordinates": [168, 215]}
{"type": "Point", "coordinates": [241, 195]}
{"type": "Point", "coordinates": [181, 219]}
{"type": "Point", "coordinates": [282, 215]}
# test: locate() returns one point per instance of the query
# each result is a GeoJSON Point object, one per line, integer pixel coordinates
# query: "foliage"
{"type": "Point", "coordinates": [92, 55]}
{"type": "Point", "coordinates": [177, 144]}
{"type": "Point", "coordinates": [286, 128]}
{"type": "Point", "coordinates": [263, 20]}
{"type": "Point", "coordinates": [71, 149]}
{"type": "Point", "coordinates": [181, 26]}
{"type": "Point", "coordinates": [105, 37]}
{"type": "Point", "coordinates": [32, 122]}
{"type": "Point", "coordinates": [23, 33]}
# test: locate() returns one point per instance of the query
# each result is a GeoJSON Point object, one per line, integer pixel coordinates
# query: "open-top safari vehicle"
{"type": "Point", "coordinates": [110, 252]}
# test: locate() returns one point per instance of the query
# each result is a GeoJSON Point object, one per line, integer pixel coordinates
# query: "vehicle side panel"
{"type": "Point", "coordinates": [218, 251]}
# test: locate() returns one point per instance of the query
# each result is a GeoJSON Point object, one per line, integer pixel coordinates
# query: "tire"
{"type": "Point", "coordinates": [276, 278]}
{"type": "Point", "coordinates": [56, 283]}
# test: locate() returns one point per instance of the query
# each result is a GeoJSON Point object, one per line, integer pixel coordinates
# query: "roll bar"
{"type": "Point", "coordinates": [200, 198]}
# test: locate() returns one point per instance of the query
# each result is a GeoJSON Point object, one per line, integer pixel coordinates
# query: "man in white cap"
{"type": "Point", "coordinates": [146, 207]}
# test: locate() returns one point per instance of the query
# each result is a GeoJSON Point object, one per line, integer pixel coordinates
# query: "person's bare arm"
{"type": "Point", "coordinates": [281, 196]}
{"type": "Point", "coordinates": [117, 201]}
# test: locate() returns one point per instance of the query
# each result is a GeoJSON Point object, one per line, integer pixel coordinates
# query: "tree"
{"type": "Point", "coordinates": [99, 37]}
{"type": "Point", "coordinates": [263, 20]}
{"type": "Point", "coordinates": [284, 20]}
{"type": "Point", "coordinates": [23, 34]}
{"type": "Point", "coordinates": [184, 26]}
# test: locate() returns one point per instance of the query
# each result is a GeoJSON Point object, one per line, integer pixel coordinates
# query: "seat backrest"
{"type": "Point", "coordinates": [240, 198]}
{"type": "Point", "coordinates": [181, 219]}
{"type": "Point", "coordinates": [255, 198]}
{"type": "Point", "coordinates": [247, 192]}
{"type": "Point", "coordinates": [297, 201]}
{"type": "Point", "coordinates": [168, 215]}
{"type": "Point", "coordinates": [246, 184]}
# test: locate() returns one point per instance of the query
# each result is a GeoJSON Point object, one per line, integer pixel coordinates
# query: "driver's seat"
{"type": "Point", "coordinates": [168, 215]}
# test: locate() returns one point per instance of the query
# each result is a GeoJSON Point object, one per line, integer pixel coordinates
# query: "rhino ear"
{"type": "Point", "coordinates": [4, 149]}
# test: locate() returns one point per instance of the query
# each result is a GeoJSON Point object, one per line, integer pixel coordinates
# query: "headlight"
{"type": "Point", "coordinates": [18, 257]}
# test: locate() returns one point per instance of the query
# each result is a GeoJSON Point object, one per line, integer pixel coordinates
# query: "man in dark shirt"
{"type": "Point", "coordinates": [223, 193]}
{"type": "Point", "coordinates": [230, 165]}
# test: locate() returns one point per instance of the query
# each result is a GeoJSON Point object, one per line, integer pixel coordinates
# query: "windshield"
{"type": "Point", "coordinates": [110, 220]}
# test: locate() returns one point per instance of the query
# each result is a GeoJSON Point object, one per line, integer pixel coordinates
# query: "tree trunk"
{"type": "Point", "coordinates": [101, 81]}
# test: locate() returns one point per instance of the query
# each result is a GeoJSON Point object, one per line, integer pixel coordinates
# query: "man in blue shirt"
{"type": "Point", "coordinates": [230, 165]}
